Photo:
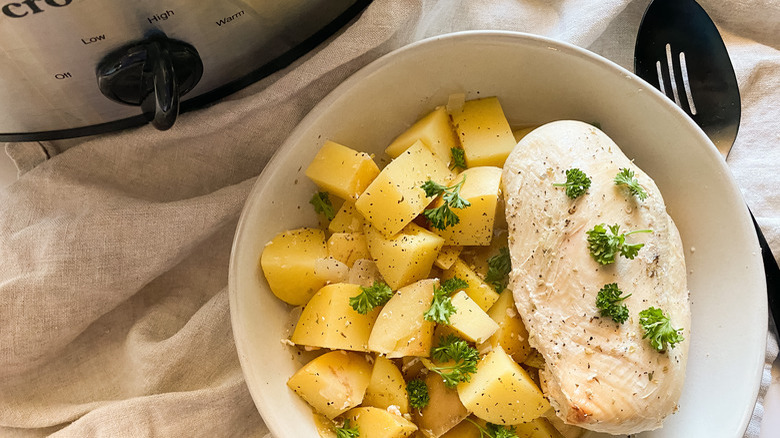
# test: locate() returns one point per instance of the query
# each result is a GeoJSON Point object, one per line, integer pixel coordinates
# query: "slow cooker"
{"type": "Point", "coordinates": [79, 67]}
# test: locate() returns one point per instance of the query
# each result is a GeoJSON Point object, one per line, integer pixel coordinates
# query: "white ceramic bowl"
{"type": "Point", "coordinates": [537, 80]}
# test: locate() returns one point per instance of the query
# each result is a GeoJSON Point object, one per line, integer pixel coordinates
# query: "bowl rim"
{"type": "Point", "coordinates": [270, 171]}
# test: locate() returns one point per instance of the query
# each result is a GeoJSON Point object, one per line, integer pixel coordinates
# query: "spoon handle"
{"type": "Point", "coordinates": [772, 274]}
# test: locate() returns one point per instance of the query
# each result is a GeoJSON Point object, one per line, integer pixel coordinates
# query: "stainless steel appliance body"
{"type": "Point", "coordinates": [51, 52]}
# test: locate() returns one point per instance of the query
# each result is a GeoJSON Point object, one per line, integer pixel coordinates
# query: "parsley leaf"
{"type": "Point", "coordinates": [626, 177]}
{"type": "Point", "coordinates": [577, 182]}
{"type": "Point", "coordinates": [458, 358]}
{"type": "Point", "coordinates": [369, 297]}
{"type": "Point", "coordinates": [322, 205]}
{"type": "Point", "coordinates": [494, 430]}
{"type": "Point", "coordinates": [418, 393]}
{"type": "Point", "coordinates": [605, 244]}
{"type": "Point", "coordinates": [609, 301]}
{"type": "Point", "coordinates": [499, 267]}
{"type": "Point", "coordinates": [442, 217]}
{"type": "Point", "coordinates": [458, 158]}
{"type": "Point", "coordinates": [441, 307]}
{"type": "Point", "coordinates": [346, 432]}
{"type": "Point", "coordinates": [658, 327]}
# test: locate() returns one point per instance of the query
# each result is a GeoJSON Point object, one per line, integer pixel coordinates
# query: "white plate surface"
{"type": "Point", "coordinates": [537, 80]}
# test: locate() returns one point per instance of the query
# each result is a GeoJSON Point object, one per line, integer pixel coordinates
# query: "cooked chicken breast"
{"type": "Point", "coordinates": [599, 375]}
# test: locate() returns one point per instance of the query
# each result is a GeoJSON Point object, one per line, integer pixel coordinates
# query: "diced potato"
{"type": "Point", "coordinates": [502, 392]}
{"type": "Point", "coordinates": [511, 335]}
{"type": "Point", "coordinates": [406, 257]}
{"type": "Point", "coordinates": [342, 171]}
{"type": "Point", "coordinates": [477, 256]}
{"type": "Point", "coordinates": [387, 387]}
{"type": "Point", "coordinates": [471, 322]}
{"type": "Point", "coordinates": [401, 330]}
{"type": "Point", "coordinates": [479, 291]}
{"type": "Point", "coordinates": [464, 429]}
{"type": "Point", "coordinates": [328, 321]}
{"type": "Point", "coordinates": [379, 423]}
{"type": "Point", "coordinates": [444, 409]}
{"type": "Point", "coordinates": [519, 133]}
{"type": "Point", "coordinates": [288, 263]}
{"type": "Point", "coordinates": [364, 273]}
{"type": "Point", "coordinates": [484, 132]}
{"type": "Point", "coordinates": [475, 226]}
{"type": "Point", "coordinates": [348, 247]}
{"type": "Point", "coordinates": [447, 256]}
{"type": "Point", "coordinates": [332, 383]}
{"type": "Point", "coordinates": [347, 220]}
{"type": "Point", "coordinates": [396, 197]}
{"type": "Point", "coordinates": [434, 130]}
{"type": "Point", "coordinates": [539, 428]}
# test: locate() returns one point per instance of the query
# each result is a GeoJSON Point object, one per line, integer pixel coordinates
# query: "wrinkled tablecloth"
{"type": "Point", "coordinates": [114, 316]}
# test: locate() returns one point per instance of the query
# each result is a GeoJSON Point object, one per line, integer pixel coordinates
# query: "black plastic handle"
{"type": "Point", "coordinates": [161, 107]}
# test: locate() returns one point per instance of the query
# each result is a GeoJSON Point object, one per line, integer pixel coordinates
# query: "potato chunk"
{"type": "Point", "coordinates": [332, 383]}
{"type": "Point", "coordinates": [342, 171]}
{"type": "Point", "coordinates": [378, 423]}
{"type": "Point", "coordinates": [447, 256]}
{"type": "Point", "coordinates": [479, 291]}
{"type": "Point", "coordinates": [481, 189]}
{"type": "Point", "coordinates": [511, 335]}
{"type": "Point", "coordinates": [346, 220]}
{"type": "Point", "coordinates": [406, 257]}
{"type": "Point", "coordinates": [288, 262]}
{"type": "Point", "coordinates": [484, 132]}
{"type": "Point", "coordinates": [348, 247]}
{"type": "Point", "coordinates": [401, 330]}
{"type": "Point", "coordinates": [471, 322]}
{"type": "Point", "coordinates": [434, 130]}
{"type": "Point", "coordinates": [328, 321]}
{"type": "Point", "coordinates": [444, 410]}
{"type": "Point", "coordinates": [502, 392]}
{"type": "Point", "coordinates": [396, 197]}
{"type": "Point", "coordinates": [387, 387]}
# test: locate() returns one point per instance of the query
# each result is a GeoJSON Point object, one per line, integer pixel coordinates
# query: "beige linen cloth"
{"type": "Point", "coordinates": [114, 318]}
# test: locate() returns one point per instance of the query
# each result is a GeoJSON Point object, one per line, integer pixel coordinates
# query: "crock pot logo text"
{"type": "Point", "coordinates": [24, 8]}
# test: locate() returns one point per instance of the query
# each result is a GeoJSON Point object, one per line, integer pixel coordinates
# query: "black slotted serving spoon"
{"type": "Point", "coordinates": [680, 52]}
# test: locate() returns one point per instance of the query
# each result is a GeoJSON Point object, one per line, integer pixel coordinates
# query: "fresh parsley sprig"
{"type": "Point", "coordinates": [493, 430]}
{"type": "Point", "coordinates": [322, 205]}
{"type": "Point", "coordinates": [658, 328]}
{"type": "Point", "coordinates": [499, 267]}
{"type": "Point", "coordinates": [605, 243]}
{"type": "Point", "coordinates": [577, 183]}
{"type": "Point", "coordinates": [443, 216]}
{"type": "Point", "coordinates": [458, 158]}
{"type": "Point", "coordinates": [418, 393]}
{"type": "Point", "coordinates": [346, 432]}
{"type": "Point", "coordinates": [610, 302]}
{"type": "Point", "coordinates": [369, 297]}
{"type": "Point", "coordinates": [626, 177]}
{"type": "Point", "coordinates": [458, 360]}
{"type": "Point", "coordinates": [442, 307]}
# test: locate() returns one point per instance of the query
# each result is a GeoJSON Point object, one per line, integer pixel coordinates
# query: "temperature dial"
{"type": "Point", "coordinates": [153, 74]}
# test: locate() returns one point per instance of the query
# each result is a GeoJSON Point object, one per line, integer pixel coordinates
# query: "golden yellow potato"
{"type": "Point", "coordinates": [342, 171]}
{"type": "Point", "coordinates": [387, 387]}
{"type": "Point", "coordinates": [400, 329]}
{"type": "Point", "coordinates": [511, 335]}
{"type": "Point", "coordinates": [332, 383]}
{"type": "Point", "coordinates": [539, 428]}
{"type": "Point", "coordinates": [434, 130]}
{"type": "Point", "coordinates": [444, 410]}
{"type": "Point", "coordinates": [469, 321]}
{"type": "Point", "coordinates": [348, 247]}
{"type": "Point", "coordinates": [288, 263]}
{"type": "Point", "coordinates": [346, 220]}
{"type": "Point", "coordinates": [475, 227]}
{"type": "Point", "coordinates": [484, 132]}
{"type": "Point", "coordinates": [396, 197]}
{"type": "Point", "coordinates": [328, 321]}
{"type": "Point", "coordinates": [447, 256]}
{"type": "Point", "coordinates": [406, 257]}
{"type": "Point", "coordinates": [502, 392]}
{"type": "Point", "coordinates": [519, 133]}
{"type": "Point", "coordinates": [482, 293]}
{"type": "Point", "coordinates": [378, 423]}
